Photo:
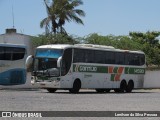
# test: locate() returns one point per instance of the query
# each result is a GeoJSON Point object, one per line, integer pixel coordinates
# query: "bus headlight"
{"type": "Point", "coordinates": [32, 80]}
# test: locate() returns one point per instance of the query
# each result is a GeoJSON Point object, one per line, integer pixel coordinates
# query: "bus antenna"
{"type": "Point", "coordinates": [12, 14]}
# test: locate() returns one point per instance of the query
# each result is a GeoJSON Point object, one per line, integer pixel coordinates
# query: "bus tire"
{"type": "Point", "coordinates": [51, 90]}
{"type": "Point", "coordinates": [76, 86]}
{"type": "Point", "coordinates": [123, 87]}
{"type": "Point", "coordinates": [130, 86]}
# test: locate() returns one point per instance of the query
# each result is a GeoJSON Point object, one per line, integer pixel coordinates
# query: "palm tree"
{"type": "Point", "coordinates": [61, 11]}
{"type": "Point", "coordinates": [68, 12]}
{"type": "Point", "coordinates": [50, 18]}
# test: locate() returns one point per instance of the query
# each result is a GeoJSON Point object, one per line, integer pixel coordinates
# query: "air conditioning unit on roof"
{"type": "Point", "coordinates": [95, 46]}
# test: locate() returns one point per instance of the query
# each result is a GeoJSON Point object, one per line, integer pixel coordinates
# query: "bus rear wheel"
{"type": "Point", "coordinates": [51, 90]}
{"type": "Point", "coordinates": [123, 87]}
{"type": "Point", "coordinates": [76, 86]}
{"type": "Point", "coordinates": [130, 86]}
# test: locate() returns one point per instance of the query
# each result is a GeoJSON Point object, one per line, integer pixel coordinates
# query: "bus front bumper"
{"type": "Point", "coordinates": [46, 84]}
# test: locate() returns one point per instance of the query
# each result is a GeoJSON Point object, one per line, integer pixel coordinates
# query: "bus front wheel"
{"type": "Point", "coordinates": [51, 90]}
{"type": "Point", "coordinates": [76, 86]}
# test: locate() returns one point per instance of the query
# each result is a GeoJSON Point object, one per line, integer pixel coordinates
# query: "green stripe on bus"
{"type": "Point", "coordinates": [134, 70]}
{"type": "Point", "coordinates": [112, 77]}
{"type": "Point", "coordinates": [115, 70]}
{"type": "Point", "coordinates": [104, 69]}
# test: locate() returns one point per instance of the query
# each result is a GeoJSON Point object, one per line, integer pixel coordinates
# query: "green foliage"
{"type": "Point", "coordinates": [147, 42]}
{"type": "Point", "coordinates": [119, 42]}
{"type": "Point", "coordinates": [148, 37]}
{"type": "Point", "coordinates": [150, 45]}
{"type": "Point", "coordinates": [54, 39]}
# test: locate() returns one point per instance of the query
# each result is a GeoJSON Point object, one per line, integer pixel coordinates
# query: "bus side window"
{"type": "Point", "coordinates": [110, 57]}
{"type": "Point", "coordinates": [78, 55]}
{"type": "Point", "coordinates": [142, 59]}
{"type": "Point", "coordinates": [131, 59]}
{"type": "Point", "coordinates": [89, 56]}
{"type": "Point", "coordinates": [120, 58]}
{"type": "Point", "coordinates": [100, 57]}
{"type": "Point", "coordinates": [135, 59]}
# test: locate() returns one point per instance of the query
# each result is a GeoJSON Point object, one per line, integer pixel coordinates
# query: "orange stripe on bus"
{"type": "Point", "coordinates": [117, 77]}
{"type": "Point", "coordinates": [120, 70]}
{"type": "Point", "coordinates": [110, 69]}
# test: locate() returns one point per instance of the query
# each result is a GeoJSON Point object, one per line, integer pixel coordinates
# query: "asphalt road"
{"type": "Point", "coordinates": [86, 100]}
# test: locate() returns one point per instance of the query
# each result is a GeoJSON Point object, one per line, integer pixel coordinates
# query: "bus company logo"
{"type": "Point", "coordinates": [80, 68]}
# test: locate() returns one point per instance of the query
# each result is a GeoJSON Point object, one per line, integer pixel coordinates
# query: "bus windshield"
{"type": "Point", "coordinates": [48, 53]}
{"type": "Point", "coordinates": [45, 63]}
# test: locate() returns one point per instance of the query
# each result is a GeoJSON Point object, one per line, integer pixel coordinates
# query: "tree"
{"type": "Point", "coordinates": [51, 11]}
{"type": "Point", "coordinates": [149, 44]}
{"type": "Point", "coordinates": [148, 37]}
{"type": "Point", "coordinates": [68, 12]}
{"type": "Point", "coordinates": [120, 42]}
{"type": "Point", "coordinates": [54, 39]}
{"type": "Point", "coordinates": [60, 11]}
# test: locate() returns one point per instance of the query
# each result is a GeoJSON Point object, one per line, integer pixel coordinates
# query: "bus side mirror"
{"type": "Point", "coordinates": [59, 62]}
{"type": "Point", "coordinates": [29, 62]}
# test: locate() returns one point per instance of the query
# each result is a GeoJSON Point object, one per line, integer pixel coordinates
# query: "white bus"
{"type": "Point", "coordinates": [87, 66]}
{"type": "Point", "coordinates": [12, 64]}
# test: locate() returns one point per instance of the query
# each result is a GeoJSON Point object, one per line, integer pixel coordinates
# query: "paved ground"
{"type": "Point", "coordinates": [86, 100]}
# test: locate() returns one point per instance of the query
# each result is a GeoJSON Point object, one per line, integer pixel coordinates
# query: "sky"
{"type": "Point", "coordinates": [116, 17]}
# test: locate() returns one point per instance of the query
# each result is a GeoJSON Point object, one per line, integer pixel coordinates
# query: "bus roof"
{"type": "Point", "coordinates": [56, 46]}
{"type": "Point", "coordinates": [12, 45]}
{"type": "Point", "coordinates": [86, 46]}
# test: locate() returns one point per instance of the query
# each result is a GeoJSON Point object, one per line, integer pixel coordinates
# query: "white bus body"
{"type": "Point", "coordinates": [97, 67]}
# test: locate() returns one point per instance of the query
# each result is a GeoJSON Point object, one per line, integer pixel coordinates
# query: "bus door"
{"type": "Point", "coordinates": [66, 68]}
